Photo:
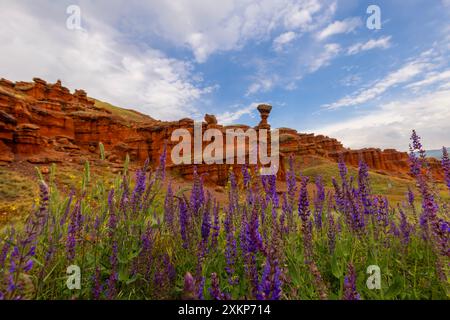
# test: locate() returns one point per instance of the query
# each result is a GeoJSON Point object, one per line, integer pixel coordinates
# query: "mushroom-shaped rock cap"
{"type": "Point", "coordinates": [264, 108]}
{"type": "Point", "coordinates": [210, 119]}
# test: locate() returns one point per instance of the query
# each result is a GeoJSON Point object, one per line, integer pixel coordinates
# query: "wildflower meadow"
{"type": "Point", "coordinates": [139, 238]}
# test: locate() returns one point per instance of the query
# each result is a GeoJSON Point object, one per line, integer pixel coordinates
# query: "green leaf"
{"type": "Point", "coordinates": [102, 151]}
{"type": "Point", "coordinates": [39, 174]}
{"type": "Point", "coordinates": [336, 267]}
{"type": "Point", "coordinates": [394, 289]}
{"type": "Point", "coordinates": [123, 275]}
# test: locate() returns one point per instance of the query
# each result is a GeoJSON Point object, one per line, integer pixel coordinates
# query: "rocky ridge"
{"type": "Point", "coordinates": [45, 123]}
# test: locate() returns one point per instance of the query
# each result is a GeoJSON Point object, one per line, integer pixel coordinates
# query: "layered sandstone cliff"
{"type": "Point", "coordinates": [42, 122]}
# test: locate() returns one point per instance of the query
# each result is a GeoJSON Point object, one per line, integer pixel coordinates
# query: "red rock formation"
{"type": "Point", "coordinates": [42, 122]}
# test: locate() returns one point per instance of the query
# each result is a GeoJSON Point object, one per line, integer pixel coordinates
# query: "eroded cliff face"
{"type": "Point", "coordinates": [44, 123]}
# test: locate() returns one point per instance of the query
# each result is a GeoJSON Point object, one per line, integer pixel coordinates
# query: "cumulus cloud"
{"type": "Point", "coordinates": [381, 43]}
{"type": "Point", "coordinates": [36, 43]}
{"type": "Point", "coordinates": [338, 27]}
{"type": "Point", "coordinates": [207, 27]}
{"type": "Point", "coordinates": [389, 124]}
{"type": "Point", "coordinates": [117, 57]}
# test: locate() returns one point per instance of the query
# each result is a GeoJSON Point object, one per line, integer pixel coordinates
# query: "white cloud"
{"type": "Point", "coordinates": [262, 84]}
{"type": "Point", "coordinates": [330, 51]}
{"type": "Point", "coordinates": [406, 73]}
{"type": "Point", "coordinates": [389, 125]}
{"type": "Point", "coordinates": [300, 15]}
{"type": "Point", "coordinates": [283, 39]}
{"type": "Point", "coordinates": [382, 43]}
{"type": "Point", "coordinates": [338, 27]}
{"type": "Point", "coordinates": [36, 43]}
{"type": "Point", "coordinates": [229, 117]}
{"type": "Point", "coordinates": [431, 78]}
{"type": "Point", "coordinates": [207, 27]}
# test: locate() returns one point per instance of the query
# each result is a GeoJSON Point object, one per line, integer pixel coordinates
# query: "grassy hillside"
{"type": "Point", "coordinates": [126, 114]}
{"type": "Point", "coordinates": [19, 188]}
{"type": "Point", "coordinates": [393, 187]}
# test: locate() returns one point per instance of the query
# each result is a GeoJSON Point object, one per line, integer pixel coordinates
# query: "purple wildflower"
{"type": "Point", "coordinates": [189, 287]}
{"type": "Point", "coordinates": [197, 194]}
{"type": "Point", "coordinates": [446, 166]}
{"type": "Point", "coordinates": [364, 187]}
{"type": "Point", "coordinates": [67, 210]}
{"type": "Point", "coordinates": [169, 208]}
{"type": "Point", "coordinates": [276, 289]}
{"type": "Point", "coordinates": [270, 286]}
{"type": "Point", "coordinates": [112, 223]}
{"type": "Point", "coordinates": [410, 196]}
{"type": "Point", "coordinates": [6, 248]}
{"type": "Point", "coordinates": [303, 201]}
{"type": "Point", "coordinates": [72, 231]}
{"type": "Point", "coordinates": [338, 195]}
{"type": "Point", "coordinates": [265, 286]}
{"type": "Point", "coordinates": [256, 241]}
{"type": "Point", "coordinates": [343, 171]}
{"type": "Point", "coordinates": [216, 226]}
{"type": "Point", "coordinates": [161, 173]}
{"type": "Point", "coordinates": [350, 292]}
{"type": "Point", "coordinates": [331, 234]}
{"type": "Point", "coordinates": [291, 181]}
{"type": "Point", "coordinates": [319, 201]}
{"type": "Point", "coordinates": [214, 290]}
{"type": "Point", "coordinates": [184, 222]}
{"type": "Point", "coordinates": [97, 287]}
{"type": "Point", "coordinates": [382, 211]}
{"type": "Point", "coordinates": [170, 271]}
{"type": "Point", "coordinates": [200, 289]}
{"type": "Point", "coordinates": [416, 163]}
{"type": "Point", "coordinates": [272, 190]}
{"type": "Point", "coordinates": [442, 234]}
{"type": "Point", "coordinates": [230, 250]}
{"type": "Point", "coordinates": [113, 277]}
{"type": "Point", "coordinates": [146, 253]}
{"type": "Point", "coordinates": [405, 227]}
{"type": "Point", "coordinates": [416, 145]}
{"type": "Point", "coordinates": [286, 213]}
{"type": "Point", "coordinates": [307, 241]}
{"type": "Point", "coordinates": [206, 223]}
{"type": "Point", "coordinates": [244, 235]}
{"type": "Point", "coordinates": [246, 176]}
{"type": "Point", "coordinates": [139, 188]}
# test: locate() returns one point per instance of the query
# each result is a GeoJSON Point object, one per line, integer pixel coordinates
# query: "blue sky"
{"type": "Point", "coordinates": [315, 61]}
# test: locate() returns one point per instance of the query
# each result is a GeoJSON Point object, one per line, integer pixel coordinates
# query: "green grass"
{"type": "Point", "coordinates": [126, 114]}
{"type": "Point", "coordinates": [17, 194]}
{"type": "Point", "coordinates": [408, 271]}
{"type": "Point", "coordinates": [19, 187]}
{"type": "Point", "coordinates": [393, 187]}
